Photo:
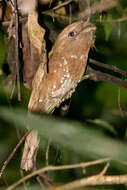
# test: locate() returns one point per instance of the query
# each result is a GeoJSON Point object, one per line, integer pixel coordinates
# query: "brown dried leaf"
{"type": "Point", "coordinates": [30, 149]}
{"type": "Point", "coordinates": [34, 49]}
{"type": "Point", "coordinates": [36, 32]}
{"type": "Point", "coordinates": [31, 59]}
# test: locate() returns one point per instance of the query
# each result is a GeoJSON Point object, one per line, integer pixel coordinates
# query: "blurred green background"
{"type": "Point", "coordinates": [95, 126]}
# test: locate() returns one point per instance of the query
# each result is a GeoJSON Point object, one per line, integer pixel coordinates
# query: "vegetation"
{"type": "Point", "coordinates": [90, 140]}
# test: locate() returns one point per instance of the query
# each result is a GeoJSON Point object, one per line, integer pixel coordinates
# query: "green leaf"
{"type": "Point", "coordinates": [71, 135]}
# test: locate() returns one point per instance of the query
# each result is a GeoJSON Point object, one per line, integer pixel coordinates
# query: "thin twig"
{"type": "Point", "coordinates": [53, 168]}
{"type": "Point", "coordinates": [40, 182]}
{"type": "Point", "coordinates": [47, 153]}
{"type": "Point", "coordinates": [13, 89]}
{"type": "Point", "coordinates": [103, 172]}
{"type": "Point", "coordinates": [110, 67]}
{"type": "Point", "coordinates": [17, 48]}
{"type": "Point", "coordinates": [119, 105]}
{"type": "Point", "coordinates": [12, 153]}
{"type": "Point", "coordinates": [24, 183]}
{"type": "Point", "coordinates": [101, 76]}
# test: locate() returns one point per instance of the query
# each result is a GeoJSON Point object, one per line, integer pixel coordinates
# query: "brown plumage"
{"type": "Point", "coordinates": [67, 63]}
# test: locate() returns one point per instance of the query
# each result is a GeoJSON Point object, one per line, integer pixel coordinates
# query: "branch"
{"type": "Point", "coordinates": [101, 76]}
{"type": "Point", "coordinates": [53, 168]}
{"type": "Point", "coordinates": [110, 67]}
{"type": "Point", "coordinates": [17, 47]}
{"type": "Point", "coordinates": [94, 180]}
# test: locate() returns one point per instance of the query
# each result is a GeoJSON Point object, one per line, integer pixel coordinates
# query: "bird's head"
{"type": "Point", "coordinates": [75, 37]}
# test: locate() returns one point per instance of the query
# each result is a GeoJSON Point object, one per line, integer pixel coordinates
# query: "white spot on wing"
{"type": "Point", "coordinates": [61, 81]}
{"type": "Point", "coordinates": [68, 75]}
{"type": "Point", "coordinates": [40, 100]}
{"type": "Point", "coordinates": [67, 86]}
{"type": "Point", "coordinates": [65, 61]}
{"type": "Point", "coordinates": [83, 56]}
{"type": "Point", "coordinates": [54, 86]}
{"type": "Point", "coordinates": [74, 56]}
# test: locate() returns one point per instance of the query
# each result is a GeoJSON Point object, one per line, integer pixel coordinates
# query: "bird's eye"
{"type": "Point", "coordinates": [72, 34]}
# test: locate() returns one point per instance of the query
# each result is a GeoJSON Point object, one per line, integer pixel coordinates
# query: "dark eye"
{"type": "Point", "coordinates": [72, 34]}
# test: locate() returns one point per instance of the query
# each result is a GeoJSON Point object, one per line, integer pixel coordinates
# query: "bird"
{"type": "Point", "coordinates": [66, 67]}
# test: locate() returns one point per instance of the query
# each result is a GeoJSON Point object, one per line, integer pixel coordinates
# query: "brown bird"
{"type": "Point", "coordinates": [67, 64]}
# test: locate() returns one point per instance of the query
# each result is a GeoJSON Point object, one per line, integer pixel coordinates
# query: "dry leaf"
{"type": "Point", "coordinates": [34, 49]}
{"type": "Point", "coordinates": [30, 149]}
{"type": "Point", "coordinates": [36, 32]}
{"type": "Point", "coordinates": [31, 59]}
